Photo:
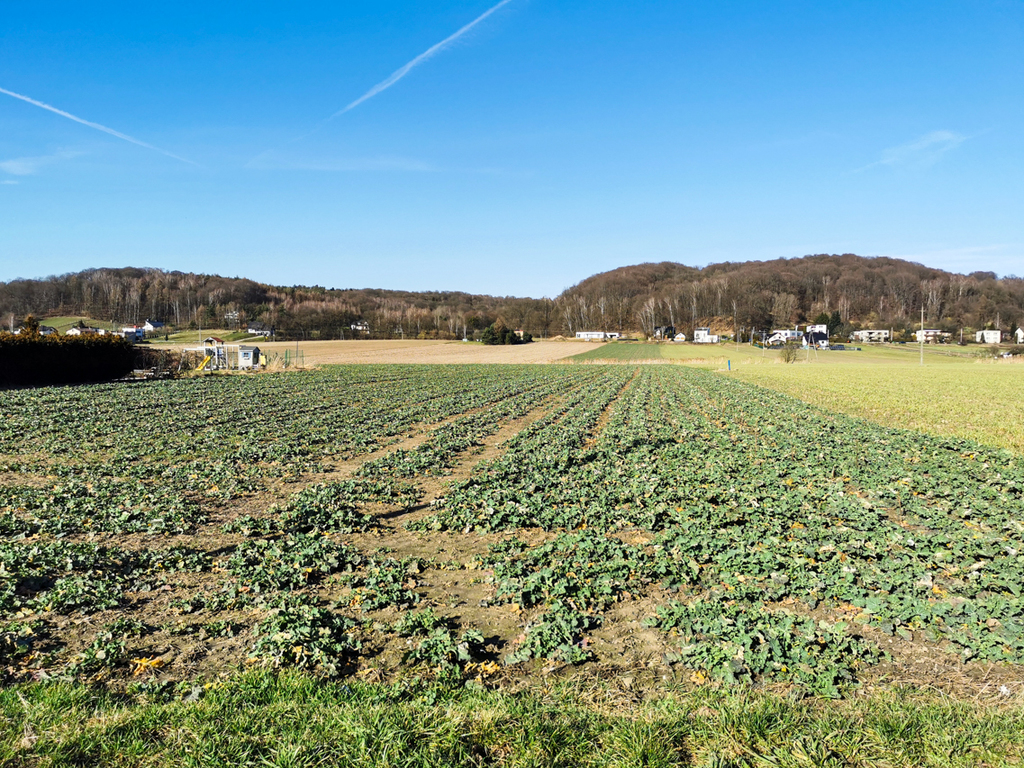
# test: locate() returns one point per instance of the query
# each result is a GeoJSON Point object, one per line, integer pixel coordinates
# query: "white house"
{"type": "Point", "coordinates": [704, 336]}
{"type": "Point", "coordinates": [82, 331]}
{"type": "Point", "coordinates": [680, 337]}
{"type": "Point", "coordinates": [1020, 335]}
{"type": "Point", "coordinates": [133, 332]}
{"type": "Point", "coordinates": [815, 339]}
{"type": "Point", "coordinates": [592, 335]}
{"type": "Point", "coordinates": [932, 336]}
{"type": "Point", "coordinates": [151, 326]}
{"type": "Point", "coordinates": [819, 328]}
{"type": "Point", "coordinates": [43, 330]}
{"type": "Point", "coordinates": [784, 336]}
{"type": "Point", "coordinates": [870, 335]}
{"type": "Point", "coordinates": [988, 337]}
{"type": "Point", "coordinates": [259, 329]}
{"type": "Point", "coordinates": [360, 325]}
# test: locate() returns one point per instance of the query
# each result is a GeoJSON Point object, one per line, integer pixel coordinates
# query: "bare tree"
{"type": "Point", "coordinates": [783, 307]}
{"type": "Point", "coordinates": [647, 315]}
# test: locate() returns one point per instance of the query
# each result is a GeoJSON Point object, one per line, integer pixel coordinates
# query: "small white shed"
{"type": "Point", "coordinates": [248, 357]}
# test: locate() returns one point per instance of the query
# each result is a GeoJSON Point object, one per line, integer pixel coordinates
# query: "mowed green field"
{"type": "Point", "coordinates": [65, 322]}
{"type": "Point", "coordinates": [955, 393]}
{"type": "Point", "coordinates": [500, 565]}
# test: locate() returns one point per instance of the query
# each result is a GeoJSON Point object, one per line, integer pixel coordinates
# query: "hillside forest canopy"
{"type": "Point", "coordinates": [852, 291]}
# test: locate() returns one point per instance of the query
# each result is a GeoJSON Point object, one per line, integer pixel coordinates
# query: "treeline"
{"type": "Point", "coordinates": [30, 359]}
{"type": "Point", "coordinates": [762, 295]}
{"type": "Point", "coordinates": [866, 292]}
{"type": "Point", "coordinates": [129, 296]}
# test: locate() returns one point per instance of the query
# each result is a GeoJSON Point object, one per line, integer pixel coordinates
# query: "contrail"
{"type": "Point", "coordinates": [97, 126]}
{"type": "Point", "coordinates": [432, 51]}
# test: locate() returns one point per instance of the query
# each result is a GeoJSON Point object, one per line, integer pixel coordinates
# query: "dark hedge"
{"type": "Point", "coordinates": [27, 359]}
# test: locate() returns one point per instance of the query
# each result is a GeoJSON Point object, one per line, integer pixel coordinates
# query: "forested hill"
{"type": "Point", "coordinates": [182, 300]}
{"type": "Point", "coordinates": [865, 292]}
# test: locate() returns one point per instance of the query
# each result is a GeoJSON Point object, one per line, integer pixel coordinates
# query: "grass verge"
{"type": "Point", "coordinates": [265, 719]}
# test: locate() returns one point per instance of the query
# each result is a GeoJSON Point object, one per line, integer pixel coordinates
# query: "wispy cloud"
{"type": "Point", "coordinates": [91, 124]}
{"type": "Point", "coordinates": [922, 152]}
{"type": "Point", "coordinates": [27, 166]}
{"type": "Point", "coordinates": [398, 74]}
{"type": "Point", "coordinates": [8, 181]}
{"type": "Point", "coordinates": [268, 161]}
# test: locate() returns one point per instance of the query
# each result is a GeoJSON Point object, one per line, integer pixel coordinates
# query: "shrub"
{"type": "Point", "coordinates": [497, 333]}
{"type": "Point", "coordinates": [30, 359]}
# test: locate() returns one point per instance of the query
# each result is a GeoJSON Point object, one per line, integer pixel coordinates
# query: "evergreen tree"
{"type": "Point", "coordinates": [834, 323]}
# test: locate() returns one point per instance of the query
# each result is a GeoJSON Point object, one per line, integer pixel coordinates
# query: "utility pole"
{"type": "Point", "coordinates": [922, 333]}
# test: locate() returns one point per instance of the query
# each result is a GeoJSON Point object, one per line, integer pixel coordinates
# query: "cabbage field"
{"type": "Point", "coordinates": [498, 524]}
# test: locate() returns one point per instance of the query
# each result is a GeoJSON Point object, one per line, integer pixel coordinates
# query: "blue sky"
{"type": "Point", "coordinates": [548, 142]}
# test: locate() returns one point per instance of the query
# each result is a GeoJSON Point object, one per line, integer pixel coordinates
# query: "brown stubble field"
{"type": "Point", "coordinates": [415, 352]}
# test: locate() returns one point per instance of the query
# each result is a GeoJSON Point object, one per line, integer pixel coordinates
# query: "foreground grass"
{"type": "Point", "coordinates": [262, 719]}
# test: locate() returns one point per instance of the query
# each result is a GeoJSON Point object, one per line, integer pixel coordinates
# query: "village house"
{"type": "Point", "coordinates": [664, 331]}
{"type": "Point", "coordinates": [260, 329]}
{"type": "Point", "coordinates": [84, 332]}
{"type": "Point", "coordinates": [988, 337]}
{"type": "Point", "coordinates": [816, 339]}
{"type": "Point", "coordinates": [704, 336]}
{"type": "Point", "coordinates": [592, 335]}
{"type": "Point", "coordinates": [870, 335]}
{"type": "Point", "coordinates": [932, 336]}
{"type": "Point", "coordinates": [1020, 335]}
{"type": "Point", "coordinates": [133, 332]}
{"type": "Point", "coordinates": [152, 326]}
{"type": "Point", "coordinates": [43, 330]}
{"type": "Point", "coordinates": [784, 336]}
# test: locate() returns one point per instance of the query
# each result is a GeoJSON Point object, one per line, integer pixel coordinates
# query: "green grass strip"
{"type": "Point", "coordinates": [622, 351]}
{"type": "Point", "coordinates": [265, 719]}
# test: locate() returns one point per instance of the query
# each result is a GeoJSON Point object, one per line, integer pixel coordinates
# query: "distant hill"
{"type": "Point", "coordinates": [866, 292]}
{"type": "Point", "coordinates": [852, 290]}
{"type": "Point", "coordinates": [186, 300]}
